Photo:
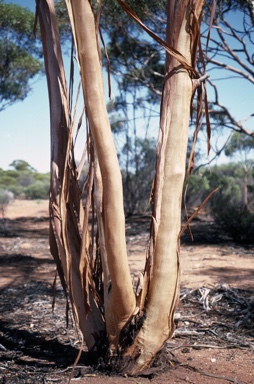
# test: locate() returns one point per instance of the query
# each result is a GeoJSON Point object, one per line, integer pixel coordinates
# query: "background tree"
{"type": "Point", "coordinates": [20, 53]}
{"type": "Point", "coordinates": [227, 207]}
{"type": "Point", "coordinates": [138, 178]}
{"type": "Point", "coordinates": [242, 146]}
{"type": "Point", "coordinates": [24, 181]}
{"type": "Point", "coordinates": [22, 166]}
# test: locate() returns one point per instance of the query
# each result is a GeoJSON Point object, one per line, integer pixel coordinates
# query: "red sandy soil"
{"type": "Point", "coordinates": [214, 338]}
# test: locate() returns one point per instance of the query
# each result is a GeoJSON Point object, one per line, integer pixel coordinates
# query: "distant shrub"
{"type": "Point", "coordinates": [38, 190]}
{"type": "Point", "coordinates": [24, 181]}
{"type": "Point", "coordinates": [198, 189]}
{"type": "Point", "coordinates": [235, 219]}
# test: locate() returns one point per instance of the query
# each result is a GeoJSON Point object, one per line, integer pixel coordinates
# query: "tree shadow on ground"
{"type": "Point", "coordinates": [200, 232]}
{"type": "Point", "coordinates": [31, 348]}
{"type": "Point", "coordinates": [36, 227]}
{"type": "Point", "coordinates": [34, 339]}
{"type": "Point", "coordinates": [239, 275]}
{"type": "Point", "coordinates": [17, 269]}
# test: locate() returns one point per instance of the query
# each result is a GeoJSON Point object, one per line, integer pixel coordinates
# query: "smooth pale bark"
{"type": "Point", "coordinates": [170, 173]}
{"type": "Point", "coordinates": [245, 186]}
{"type": "Point", "coordinates": [65, 241]}
{"type": "Point", "coordinates": [121, 300]}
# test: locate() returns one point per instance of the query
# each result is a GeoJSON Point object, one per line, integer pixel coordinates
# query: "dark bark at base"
{"type": "Point", "coordinates": [123, 366]}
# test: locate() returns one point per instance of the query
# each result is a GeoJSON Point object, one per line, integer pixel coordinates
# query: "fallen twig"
{"type": "Point", "coordinates": [204, 373]}
{"type": "Point", "coordinates": [200, 346]}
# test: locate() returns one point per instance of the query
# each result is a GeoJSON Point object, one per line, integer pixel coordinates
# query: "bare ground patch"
{"type": "Point", "coordinates": [214, 337]}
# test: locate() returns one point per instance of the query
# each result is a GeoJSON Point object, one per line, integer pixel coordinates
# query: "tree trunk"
{"type": "Point", "coordinates": [163, 264]}
{"type": "Point", "coordinates": [154, 309]}
{"type": "Point", "coordinates": [120, 300]}
{"type": "Point", "coordinates": [65, 241]}
{"type": "Point", "coordinates": [245, 186]}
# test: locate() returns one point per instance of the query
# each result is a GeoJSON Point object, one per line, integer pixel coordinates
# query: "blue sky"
{"type": "Point", "coordinates": [24, 127]}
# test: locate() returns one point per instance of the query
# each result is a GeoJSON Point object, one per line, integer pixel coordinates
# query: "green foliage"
{"type": "Point", "coordinates": [136, 61]}
{"type": "Point", "coordinates": [227, 205]}
{"type": "Point", "coordinates": [198, 189]}
{"type": "Point", "coordinates": [24, 181]}
{"type": "Point", "coordinates": [19, 53]}
{"type": "Point", "coordinates": [21, 165]}
{"type": "Point", "coordinates": [133, 55]}
{"type": "Point", "coordinates": [37, 190]}
{"type": "Point", "coordinates": [140, 64]}
{"type": "Point", "coordinates": [229, 178]}
{"type": "Point", "coordinates": [240, 144]}
{"type": "Point", "coordinates": [113, 18]}
{"type": "Point", "coordinates": [235, 218]}
{"type": "Point", "coordinates": [63, 20]}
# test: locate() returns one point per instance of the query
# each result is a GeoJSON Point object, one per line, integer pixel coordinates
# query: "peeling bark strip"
{"type": "Point", "coordinates": [170, 49]}
{"type": "Point", "coordinates": [65, 241]}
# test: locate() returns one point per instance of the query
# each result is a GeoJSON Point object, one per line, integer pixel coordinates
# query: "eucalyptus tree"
{"type": "Point", "coordinates": [20, 53]}
{"type": "Point", "coordinates": [127, 325]}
